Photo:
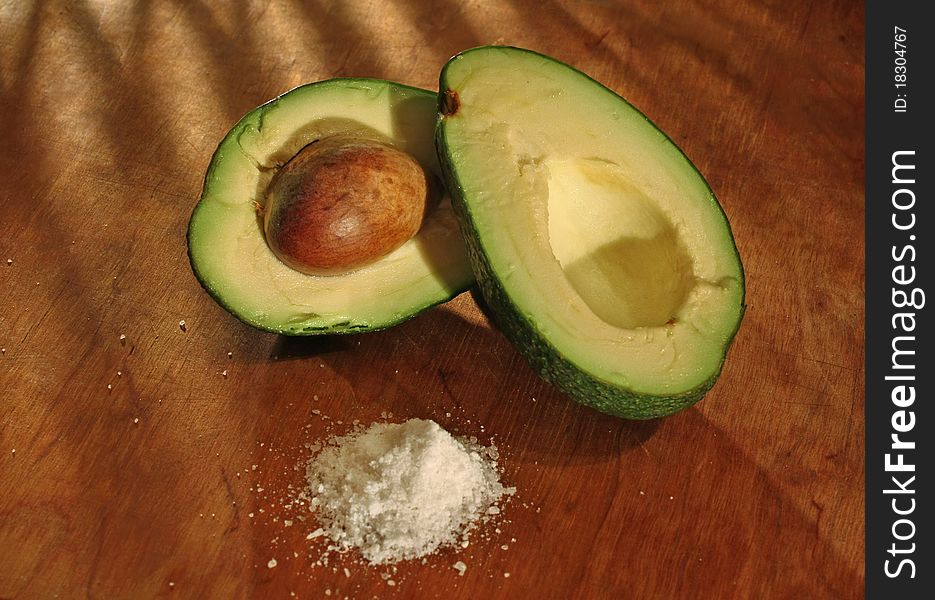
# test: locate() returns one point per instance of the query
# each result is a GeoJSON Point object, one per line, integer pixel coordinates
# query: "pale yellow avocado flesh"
{"type": "Point", "coordinates": [601, 233]}
{"type": "Point", "coordinates": [230, 255]}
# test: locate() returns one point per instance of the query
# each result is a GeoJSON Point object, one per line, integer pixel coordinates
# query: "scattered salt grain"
{"type": "Point", "coordinates": [271, 563]}
{"type": "Point", "coordinates": [123, 338]}
{"type": "Point", "coordinates": [9, 261]}
{"type": "Point", "coordinates": [401, 491]}
{"type": "Point", "coordinates": [460, 567]}
{"type": "Point", "coordinates": [506, 574]}
{"type": "Point", "coordinates": [317, 533]}
{"type": "Point", "coordinates": [224, 373]}
{"type": "Point", "coordinates": [182, 325]}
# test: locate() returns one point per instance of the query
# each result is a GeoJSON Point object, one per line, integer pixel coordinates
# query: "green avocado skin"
{"type": "Point", "coordinates": [524, 333]}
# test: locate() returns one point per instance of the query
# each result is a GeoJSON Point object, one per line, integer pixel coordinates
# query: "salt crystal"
{"type": "Point", "coordinates": [378, 489]}
{"type": "Point", "coordinates": [271, 563]}
{"type": "Point", "coordinates": [182, 325]}
{"type": "Point", "coordinates": [317, 533]}
{"type": "Point", "coordinates": [460, 567]}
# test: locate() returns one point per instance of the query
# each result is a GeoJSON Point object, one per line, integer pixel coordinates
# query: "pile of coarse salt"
{"type": "Point", "coordinates": [401, 491]}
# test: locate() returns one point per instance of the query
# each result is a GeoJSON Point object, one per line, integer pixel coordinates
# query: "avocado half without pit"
{"type": "Point", "coordinates": [601, 250]}
{"type": "Point", "coordinates": [321, 212]}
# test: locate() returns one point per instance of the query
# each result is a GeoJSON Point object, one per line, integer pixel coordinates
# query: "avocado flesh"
{"type": "Point", "coordinates": [228, 250]}
{"type": "Point", "coordinates": [601, 250]}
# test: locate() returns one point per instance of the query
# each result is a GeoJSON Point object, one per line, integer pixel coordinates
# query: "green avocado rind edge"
{"type": "Point", "coordinates": [544, 358]}
{"type": "Point", "coordinates": [308, 327]}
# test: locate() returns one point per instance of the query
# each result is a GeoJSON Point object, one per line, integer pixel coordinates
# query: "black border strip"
{"type": "Point", "coordinates": [899, 362]}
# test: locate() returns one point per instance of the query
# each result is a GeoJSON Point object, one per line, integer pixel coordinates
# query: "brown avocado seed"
{"type": "Point", "coordinates": [342, 202]}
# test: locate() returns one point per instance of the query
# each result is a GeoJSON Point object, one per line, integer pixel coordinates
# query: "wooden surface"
{"type": "Point", "coordinates": [110, 114]}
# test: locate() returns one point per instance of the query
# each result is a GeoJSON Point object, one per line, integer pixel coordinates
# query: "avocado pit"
{"type": "Point", "coordinates": [342, 203]}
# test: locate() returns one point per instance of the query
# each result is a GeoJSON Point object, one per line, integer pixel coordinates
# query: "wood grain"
{"type": "Point", "coordinates": [133, 472]}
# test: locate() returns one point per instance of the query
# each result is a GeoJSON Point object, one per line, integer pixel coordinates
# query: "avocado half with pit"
{"type": "Point", "coordinates": [600, 249]}
{"type": "Point", "coordinates": [229, 252]}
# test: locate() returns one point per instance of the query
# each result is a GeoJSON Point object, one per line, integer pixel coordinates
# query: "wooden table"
{"type": "Point", "coordinates": [131, 467]}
